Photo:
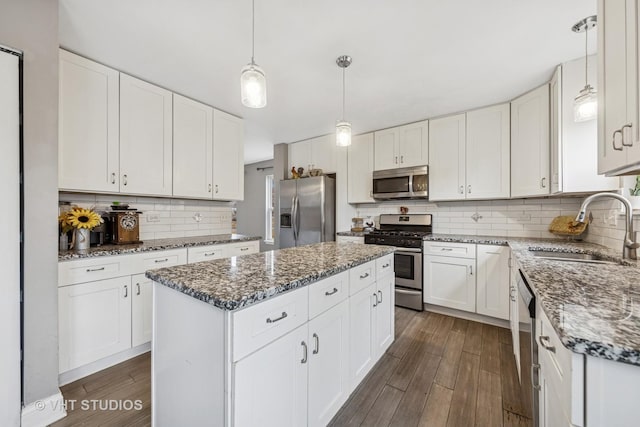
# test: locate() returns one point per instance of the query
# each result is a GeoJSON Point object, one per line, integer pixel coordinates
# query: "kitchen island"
{"type": "Point", "coordinates": [276, 338]}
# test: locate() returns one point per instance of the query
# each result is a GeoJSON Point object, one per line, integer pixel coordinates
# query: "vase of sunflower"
{"type": "Point", "coordinates": [82, 221]}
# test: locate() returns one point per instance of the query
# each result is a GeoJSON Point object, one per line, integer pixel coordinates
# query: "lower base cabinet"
{"type": "Point", "coordinates": [141, 309]}
{"type": "Point", "coordinates": [450, 282]}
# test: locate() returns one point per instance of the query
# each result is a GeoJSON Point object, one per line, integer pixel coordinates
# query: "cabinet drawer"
{"type": "Point", "coordinates": [244, 248]}
{"type": "Point", "coordinates": [460, 250]}
{"type": "Point", "coordinates": [206, 253]}
{"type": "Point", "coordinates": [262, 323]}
{"type": "Point", "coordinates": [327, 293]}
{"type": "Point", "coordinates": [149, 261]}
{"type": "Point", "coordinates": [384, 265]}
{"type": "Point", "coordinates": [90, 269]}
{"type": "Point", "coordinates": [361, 276]}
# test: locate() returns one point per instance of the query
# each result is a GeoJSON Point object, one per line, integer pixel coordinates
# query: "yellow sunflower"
{"type": "Point", "coordinates": [83, 218]}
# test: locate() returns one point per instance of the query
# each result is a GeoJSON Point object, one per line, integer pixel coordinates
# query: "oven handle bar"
{"type": "Point", "coordinates": [412, 250]}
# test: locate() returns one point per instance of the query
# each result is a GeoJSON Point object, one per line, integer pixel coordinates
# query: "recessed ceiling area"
{"type": "Point", "coordinates": [412, 59]}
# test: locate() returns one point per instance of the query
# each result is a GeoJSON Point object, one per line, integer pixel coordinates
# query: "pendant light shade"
{"type": "Point", "coordinates": [253, 83]}
{"type": "Point", "coordinates": [585, 105]}
{"type": "Point", "coordinates": [343, 127]}
{"type": "Point", "coordinates": [253, 86]}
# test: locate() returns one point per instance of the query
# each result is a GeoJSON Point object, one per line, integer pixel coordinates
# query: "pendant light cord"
{"type": "Point", "coordinates": [586, 54]}
{"type": "Point", "coordinates": [343, 92]}
{"type": "Point", "coordinates": [253, 29]}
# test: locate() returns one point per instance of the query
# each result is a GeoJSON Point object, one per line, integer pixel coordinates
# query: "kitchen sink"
{"type": "Point", "coordinates": [572, 257]}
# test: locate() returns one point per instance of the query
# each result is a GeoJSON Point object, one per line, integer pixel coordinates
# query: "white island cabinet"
{"type": "Point", "coordinates": [281, 361]}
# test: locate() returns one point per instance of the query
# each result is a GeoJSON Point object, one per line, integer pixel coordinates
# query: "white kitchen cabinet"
{"type": "Point", "coordinates": [447, 139]}
{"type": "Point", "coordinates": [271, 385]}
{"type": "Point", "coordinates": [492, 282]}
{"type": "Point", "coordinates": [549, 405]}
{"type": "Point", "coordinates": [94, 321]}
{"type": "Point", "coordinates": [402, 146]}
{"type": "Point", "coordinates": [329, 385]}
{"type": "Point", "coordinates": [574, 145]}
{"type": "Point", "coordinates": [192, 148]}
{"type": "Point", "coordinates": [145, 138]}
{"type": "Point", "coordinates": [488, 153]}
{"type": "Point", "coordinates": [450, 282]}
{"type": "Point", "coordinates": [315, 153]}
{"type": "Point", "coordinates": [243, 248]}
{"type": "Point", "coordinates": [384, 315]}
{"type": "Point", "coordinates": [514, 312]}
{"type": "Point", "coordinates": [350, 239]}
{"type": "Point", "coordinates": [141, 309]}
{"type": "Point", "coordinates": [361, 330]}
{"type": "Point", "coordinates": [530, 143]}
{"type": "Point", "coordinates": [88, 138]}
{"type": "Point", "coordinates": [618, 146]}
{"type": "Point", "coordinates": [360, 169]}
{"type": "Point", "coordinates": [228, 157]}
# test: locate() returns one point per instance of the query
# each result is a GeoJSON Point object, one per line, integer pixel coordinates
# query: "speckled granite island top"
{"type": "Point", "coordinates": [233, 283]}
{"type": "Point", "coordinates": [157, 245]}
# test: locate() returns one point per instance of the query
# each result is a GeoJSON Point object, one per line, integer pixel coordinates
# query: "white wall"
{"type": "Point", "coordinates": [250, 212]}
{"type": "Point", "coordinates": [32, 26]}
{"type": "Point", "coordinates": [175, 217]}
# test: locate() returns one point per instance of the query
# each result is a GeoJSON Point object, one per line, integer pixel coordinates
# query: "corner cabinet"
{"type": "Point", "coordinates": [228, 157]}
{"type": "Point", "coordinates": [360, 169]}
{"type": "Point", "coordinates": [530, 144]}
{"type": "Point", "coordinates": [88, 141]}
{"type": "Point", "coordinates": [315, 153]}
{"type": "Point", "coordinates": [146, 138]}
{"type": "Point", "coordinates": [402, 146]}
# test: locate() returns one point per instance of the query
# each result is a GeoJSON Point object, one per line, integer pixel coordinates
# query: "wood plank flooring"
{"type": "Point", "coordinates": [439, 371]}
{"type": "Point", "coordinates": [442, 371]}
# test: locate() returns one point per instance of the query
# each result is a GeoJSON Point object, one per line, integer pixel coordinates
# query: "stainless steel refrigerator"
{"type": "Point", "coordinates": [307, 211]}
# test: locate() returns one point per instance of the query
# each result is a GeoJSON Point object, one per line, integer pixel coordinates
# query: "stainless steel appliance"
{"type": "Point", "coordinates": [402, 183]}
{"type": "Point", "coordinates": [528, 298]}
{"type": "Point", "coordinates": [307, 211]}
{"type": "Point", "coordinates": [406, 233]}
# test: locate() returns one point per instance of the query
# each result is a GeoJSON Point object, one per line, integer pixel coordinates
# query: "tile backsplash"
{"type": "Point", "coordinates": [164, 218]}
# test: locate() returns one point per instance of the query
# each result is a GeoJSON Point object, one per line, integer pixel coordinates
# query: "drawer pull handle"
{"type": "Point", "coordinates": [364, 276]}
{"type": "Point", "coordinates": [137, 288]}
{"type": "Point", "coordinates": [277, 319]}
{"type": "Point", "coordinates": [317, 339]}
{"type": "Point", "coordinates": [386, 265]}
{"type": "Point", "coordinates": [161, 260]}
{"type": "Point", "coordinates": [304, 347]}
{"type": "Point", "coordinates": [446, 249]}
{"type": "Point", "coordinates": [535, 367]}
{"type": "Point", "coordinates": [327, 293]}
{"type": "Point", "coordinates": [91, 270]}
{"type": "Point", "coordinates": [244, 249]}
{"type": "Point", "coordinates": [543, 338]}
{"type": "Point", "coordinates": [126, 291]}
{"type": "Point", "coordinates": [209, 254]}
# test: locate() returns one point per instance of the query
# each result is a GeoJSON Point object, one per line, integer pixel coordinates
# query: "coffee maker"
{"type": "Point", "coordinates": [98, 235]}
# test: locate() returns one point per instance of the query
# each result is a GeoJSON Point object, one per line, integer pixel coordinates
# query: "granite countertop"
{"type": "Point", "coordinates": [352, 233]}
{"type": "Point", "coordinates": [594, 308]}
{"type": "Point", "coordinates": [233, 283]}
{"type": "Point", "coordinates": [157, 245]}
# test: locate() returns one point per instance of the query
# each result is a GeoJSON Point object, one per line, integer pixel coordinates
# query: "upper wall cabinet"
{"type": "Point", "coordinates": [192, 148]}
{"type": "Point", "coordinates": [530, 143]}
{"type": "Point", "coordinates": [470, 155]}
{"type": "Point", "coordinates": [145, 138]}
{"type": "Point", "coordinates": [228, 157]}
{"type": "Point", "coordinates": [88, 158]}
{"type": "Point", "coordinates": [360, 169]}
{"type": "Point", "coordinates": [574, 145]}
{"type": "Point", "coordinates": [618, 133]}
{"type": "Point", "coordinates": [315, 153]}
{"type": "Point", "coordinates": [402, 146]}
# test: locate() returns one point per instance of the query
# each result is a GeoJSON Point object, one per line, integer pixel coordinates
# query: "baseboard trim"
{"type": "Point", "coordinates": [466, 315]}
{"type": "Point", "coordinates": [45, 411]}
{"type": "Point", "coordinates": [83, 371]}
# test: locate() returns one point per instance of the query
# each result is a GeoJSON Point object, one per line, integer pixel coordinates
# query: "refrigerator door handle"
{"type": "Point", "coordinates": [297, 219]}
{"type": "Point", "coordinates": [293, 217]}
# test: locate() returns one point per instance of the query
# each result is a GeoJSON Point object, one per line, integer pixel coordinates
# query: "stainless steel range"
{"type": "Point", "coordinates": [406, 233]}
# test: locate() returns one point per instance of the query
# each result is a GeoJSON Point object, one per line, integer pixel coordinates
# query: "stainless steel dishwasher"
{"type": "Point", "coordinates": [529, 299]}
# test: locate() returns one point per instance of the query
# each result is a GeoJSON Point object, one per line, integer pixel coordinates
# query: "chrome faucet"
{"type": "Point", "coordinates": [630, 245]}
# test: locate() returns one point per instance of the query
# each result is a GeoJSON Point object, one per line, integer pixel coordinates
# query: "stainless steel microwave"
{"type": "Point", "coordinates": [403, 183]}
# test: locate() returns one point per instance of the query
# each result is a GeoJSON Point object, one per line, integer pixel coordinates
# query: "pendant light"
{"type": "Point", "coordinates": [343, 127]}
{"type": "Point", "coordinates": [253, 83]}
{"type": "Point", "coordinates": [585, 106]}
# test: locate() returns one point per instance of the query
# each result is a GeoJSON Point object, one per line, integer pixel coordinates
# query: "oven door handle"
{"type": "Point", "coordinates": [408, 250]}
{"type": "Point", "coordinates": [407, 292]}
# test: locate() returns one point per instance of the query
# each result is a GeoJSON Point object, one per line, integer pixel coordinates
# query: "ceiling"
{"type": "Point", "coordinates": [412, 59]}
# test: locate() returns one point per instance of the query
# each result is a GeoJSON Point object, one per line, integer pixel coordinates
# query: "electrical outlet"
{"type": "Point", "coordinates": [197, 217]}
{"type": "Point", "coordinates": [153, 218]}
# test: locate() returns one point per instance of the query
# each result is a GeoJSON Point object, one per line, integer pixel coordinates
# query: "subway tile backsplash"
{"type": "Point", "coordinates": [164, 218]}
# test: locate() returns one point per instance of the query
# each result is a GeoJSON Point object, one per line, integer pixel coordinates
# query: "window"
{"type": "Point", "coordinates": [269, 223]}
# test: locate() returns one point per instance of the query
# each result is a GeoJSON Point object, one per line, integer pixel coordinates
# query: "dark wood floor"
{"type": "Point", "coordinates": [440, 371]}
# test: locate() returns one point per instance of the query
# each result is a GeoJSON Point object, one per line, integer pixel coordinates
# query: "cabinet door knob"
{"type": "Point", "coordinates": [630, 126]}
{"type": "Point", "coordinates": [613, 141]}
